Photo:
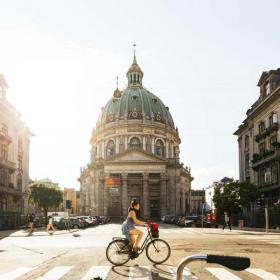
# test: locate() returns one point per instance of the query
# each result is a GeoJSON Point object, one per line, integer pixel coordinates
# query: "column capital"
{"type": "Point", "coordinates": [124, 176]}
{"type": "Point", "coordinates": [145, 176]}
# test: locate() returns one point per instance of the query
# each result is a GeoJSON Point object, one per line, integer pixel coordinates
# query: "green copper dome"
{"type": "Point", "coordinates": [136, 102]}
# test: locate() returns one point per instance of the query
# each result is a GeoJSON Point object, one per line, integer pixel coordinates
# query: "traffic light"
{"type": "Point", "coordinates": [261, 201]}
{"type": "Point", "coordinates": [68, 204]}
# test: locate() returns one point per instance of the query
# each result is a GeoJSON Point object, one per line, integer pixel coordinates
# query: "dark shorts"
{"type": "Point", "coordinates": [125, 230]}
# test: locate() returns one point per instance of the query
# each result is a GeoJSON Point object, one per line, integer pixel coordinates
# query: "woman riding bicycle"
{"type": "Point", "coordinates": [128, 226]}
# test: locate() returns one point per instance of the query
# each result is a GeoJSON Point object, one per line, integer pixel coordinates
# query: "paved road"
{"type": "Point", "coordinates": [81, 255]}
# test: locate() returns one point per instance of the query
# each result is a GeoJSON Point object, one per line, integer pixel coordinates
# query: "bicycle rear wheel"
{"type": "Point", "coordinates": [158, 251]}
{"type": "Point", "coordinates": [118, 252]}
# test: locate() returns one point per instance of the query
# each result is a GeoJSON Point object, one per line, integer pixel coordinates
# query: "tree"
{"type": "Point", "coordinates": [45, 195]}
{"type": "Point", "coordinates": [235, 196]}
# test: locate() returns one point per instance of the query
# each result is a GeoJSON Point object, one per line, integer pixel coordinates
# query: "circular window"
{"type": "Point", "coordinates": [134, 115]}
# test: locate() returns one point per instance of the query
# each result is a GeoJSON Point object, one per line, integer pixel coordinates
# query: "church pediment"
{"type": "Point", "coordinates": [136, 155]}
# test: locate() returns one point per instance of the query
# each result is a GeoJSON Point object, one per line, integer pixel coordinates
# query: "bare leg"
{"type": "Point", "coordinates": [139, 234]}
{"type": "Point", "coordinates": [132, 240]}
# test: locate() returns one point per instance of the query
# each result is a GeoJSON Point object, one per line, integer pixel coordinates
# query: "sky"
{"type": "Point", "coordinates": [203, 59]}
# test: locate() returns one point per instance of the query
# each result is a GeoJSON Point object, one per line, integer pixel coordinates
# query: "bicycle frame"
{"type": "Point", "coordinates": [145, 242]}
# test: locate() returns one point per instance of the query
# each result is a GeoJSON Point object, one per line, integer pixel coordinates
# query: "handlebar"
{"type": "Point", "coordinates": [232, 262]}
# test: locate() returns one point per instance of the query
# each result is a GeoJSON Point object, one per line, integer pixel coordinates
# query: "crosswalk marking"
{"type": "Point", "coordinates": [56, 273]}
{"type": "Point", "coordinates": [262, 274]}
{"type": "Point", "coordinates": [140, 273]}
{"type": "Point", "coordinates": [135, 273]}
{"type": "Point", "coordinates": [222, 274]}
{"type": "Point", "coordinates": [187, 275]}
{"type": "Point", "coordinates": [101, 271]}
{"type": "Point", "coordinates": [16, 273]}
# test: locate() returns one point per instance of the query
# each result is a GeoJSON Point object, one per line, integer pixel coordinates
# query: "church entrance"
{"type": "Point", "coordinates": [154, 206]}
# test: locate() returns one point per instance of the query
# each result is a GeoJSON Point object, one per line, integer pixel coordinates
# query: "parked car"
{"type": "Point", "coordinates": [61, 223]}
{"type": "Point", "coordinates": [88, 219]}
{"type": "Point", "coordinates": [98, 219]}
{"type": "Point", "coordinates": [105, 219]}
{"type": "Point", "coordinates": [77, 223]}
{"type": "Point", "coordinates": [185, 222]}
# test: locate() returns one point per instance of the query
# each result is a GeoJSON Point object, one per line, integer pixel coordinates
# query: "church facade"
{"type": "Point", "coordinates": [135, 154]}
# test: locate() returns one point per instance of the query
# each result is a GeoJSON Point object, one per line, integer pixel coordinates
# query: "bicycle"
{"type": "Point", "coordinates": [232, 262]}
{"type": "Point", "coordinates": [120, 251]}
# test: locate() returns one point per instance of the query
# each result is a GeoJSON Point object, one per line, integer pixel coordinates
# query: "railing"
{"type": "Point", "coordinates": [259, 159]}
{"type": "Point", "coordinates": [267, 131]}
{"type": "Point", "coordinates": [8, 164]}
{"type": "Point", "coordinates": [5, 136]}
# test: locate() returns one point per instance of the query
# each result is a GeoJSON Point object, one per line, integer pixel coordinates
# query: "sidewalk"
{"type": "Point", "coordinates": [256, 229]}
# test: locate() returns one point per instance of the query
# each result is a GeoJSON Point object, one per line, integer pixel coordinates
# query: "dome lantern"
{"type": "Point", "coordinates": [134, 73]}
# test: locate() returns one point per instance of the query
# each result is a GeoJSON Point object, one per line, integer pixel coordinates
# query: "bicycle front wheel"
{"type": "Point", "coordinates": [158, 251]}
{"type": "Point", "coordinates": [118, 252]}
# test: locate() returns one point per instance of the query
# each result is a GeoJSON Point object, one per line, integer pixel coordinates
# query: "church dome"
{"type": "Point", "coordinates": [135, 102]}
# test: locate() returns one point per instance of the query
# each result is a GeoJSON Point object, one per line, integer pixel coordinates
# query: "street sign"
{"type": "Point", "coordinates": [113, 190]}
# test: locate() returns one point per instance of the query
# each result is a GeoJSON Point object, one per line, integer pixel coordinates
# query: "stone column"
{"type": "Point", "coordinates": [146, 198]}
{"type": "Point", "coordinates": [184, 201]}
{"type": "Point", "coordinates": [177, 195]}
{"type": "Point", "coordinates": [163, 194]}
{"type": "Point", "coordinates": [153, 144]}
{"type": "Point", "coordinates": [100, 195]}
{"type": "Point", "coordinates": [125, 142]}
{"type": "Point", "coordinates": [144, 143]}
{"type": "Point", "coordinates": [124, 195]}
{"type": "Point", "coordinates": [117, 145]}
{"type": "Point", "coordinates": [105, 196]}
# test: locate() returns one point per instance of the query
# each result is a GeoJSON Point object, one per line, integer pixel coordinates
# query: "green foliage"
{"type": "Point", "coordinates": [45, 195]}
{"type": "Point", "coordinates": [235, 196]}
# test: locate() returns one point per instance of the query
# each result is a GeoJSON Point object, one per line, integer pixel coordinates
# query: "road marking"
{"type": "Point", "coordinates": [187, 275]}
{"type": "Point", "coordinates": [222, 274]}
{"type": "Point", "coordinates": [56, 273]}
{"type": "Point", "coordinates": [140, 273]}
{"type": "Point", "coordinates": [101, 271]}
{"type": "Point", "coordinates": [16, 273]}
{"type": "Point", "coordinates": [262, 274]}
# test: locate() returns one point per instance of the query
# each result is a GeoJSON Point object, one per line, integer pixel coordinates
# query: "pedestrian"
{"type": "Point", "coordinates": [50, 224]}
{"type": "Point", "coordinates": [31, 219]}
{"type": "Point", "coordinates": [227, 221]}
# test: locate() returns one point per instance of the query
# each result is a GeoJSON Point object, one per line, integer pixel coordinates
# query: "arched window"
{"type": "Point", "coordinates": [159, 148]}
{"type": "Point", "coordinates": [110, 148]}
{"type": "Point", "coordinates": [134, 143]}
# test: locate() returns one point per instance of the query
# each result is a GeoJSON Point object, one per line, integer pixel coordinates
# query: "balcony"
{"type": "Point", "coordinates": [9, 189]}
{"type": "Point", "coordinates": [8, 164]}
{"type": "Point", "coordinates": [261, 135]}
{"type": "Point", "coordinates": [5, 137]}
{"type": "Point", "coordinates": [273, 127]}
{"type": "Point", "coordinates": [268, 156]}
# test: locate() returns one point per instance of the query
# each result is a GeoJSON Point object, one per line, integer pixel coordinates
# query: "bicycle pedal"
{"type": "Point", "coordinates": [134, 255]}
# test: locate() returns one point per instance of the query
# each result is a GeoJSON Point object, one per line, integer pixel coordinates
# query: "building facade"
{"type": "Point", "coordinates": [135, 154]}
{"type": "Point", "coordinates": [210, 191]}
{"type": "Point", "coordinates": [14, 157]}
{"type": "Point", "coordinates": [197, 200]}
{"type": "Point", "coordinates": [258, 139]}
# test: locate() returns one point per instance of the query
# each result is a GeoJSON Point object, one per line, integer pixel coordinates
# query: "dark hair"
{"type": "Point", "coordinates": [134, 202]}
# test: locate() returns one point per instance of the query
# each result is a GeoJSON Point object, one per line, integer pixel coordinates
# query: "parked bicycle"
{"type": "Point", "coordinates": [232, 262]}
{"type": "Point", "coordinates": [120, 250]}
